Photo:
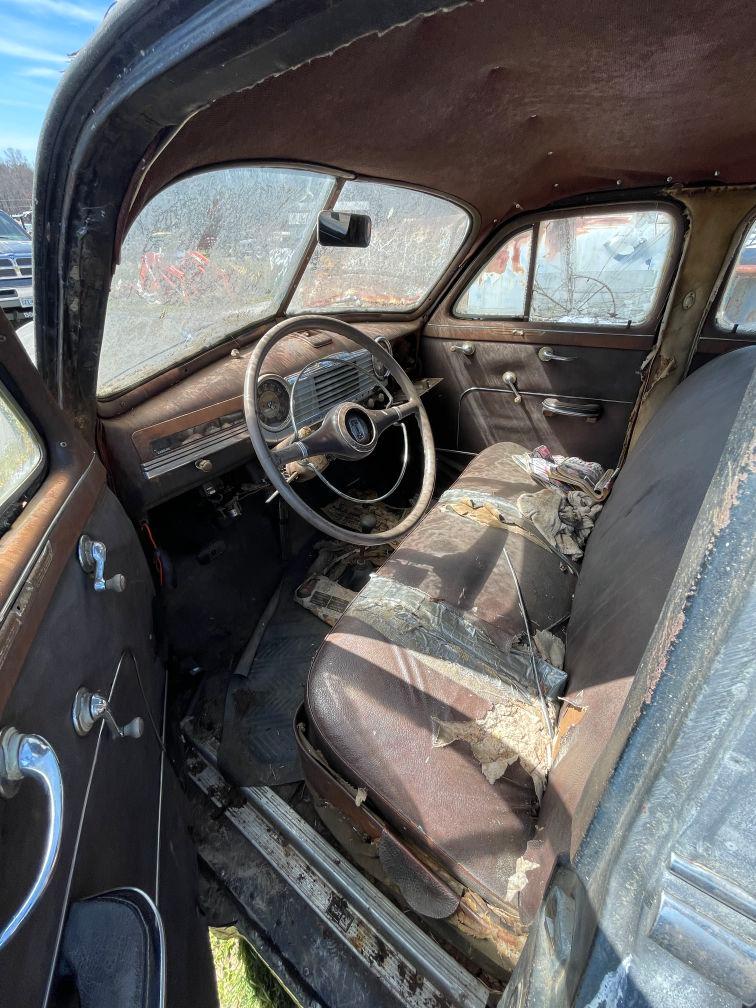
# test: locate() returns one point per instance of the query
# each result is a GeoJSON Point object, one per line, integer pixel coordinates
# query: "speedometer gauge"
{"type": "Point", "coordinates": [272, 402]}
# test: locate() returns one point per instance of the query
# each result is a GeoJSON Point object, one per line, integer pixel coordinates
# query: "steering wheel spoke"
{"type": "Point", "coordinates": [349, 431]}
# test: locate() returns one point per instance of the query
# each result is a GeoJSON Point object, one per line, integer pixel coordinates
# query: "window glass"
{"type": "Point", "coordinates": [414, 238]}
{"type": "Point", "coordinates": [209, 255]}
{"type": "Point", "coordinates": [21, 454]}
{"type": "Point", "coordinates": [737, 309]}
{"type": "Point", "coordinates": [501, 286]}
{"type": "Point", "coordinates": [601, 268]}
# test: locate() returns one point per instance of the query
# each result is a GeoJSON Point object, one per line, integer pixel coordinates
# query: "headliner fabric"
{"type": "Point", "coordinates": [501, 103]}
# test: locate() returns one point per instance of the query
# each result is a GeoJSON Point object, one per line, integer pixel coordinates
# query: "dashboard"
{"type": "Point", "coordinates": [309, 372]}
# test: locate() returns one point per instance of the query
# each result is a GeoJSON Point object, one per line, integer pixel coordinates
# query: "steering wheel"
{"type": "Point", "coordinates": [348, 431]}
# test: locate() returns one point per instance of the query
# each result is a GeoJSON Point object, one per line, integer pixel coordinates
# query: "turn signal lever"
{"type": "Point", "coordinates": [92, 560]}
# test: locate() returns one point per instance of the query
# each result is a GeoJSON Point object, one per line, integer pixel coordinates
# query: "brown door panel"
{"type": "Point", "coordinates": [467, 418]}
{"type": "Point", "coordinates": [79, 643]}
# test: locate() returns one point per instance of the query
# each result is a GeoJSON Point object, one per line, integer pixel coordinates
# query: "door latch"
{"type": "Point", "coordinates": [92, 554]}
{"type": "Point", "coordinates": [89, 708]}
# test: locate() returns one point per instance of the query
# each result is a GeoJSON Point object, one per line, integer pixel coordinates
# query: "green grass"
{"type": "Point", "coordinates": [244, 981]}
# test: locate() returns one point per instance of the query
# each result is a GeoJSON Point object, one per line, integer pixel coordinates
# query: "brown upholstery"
{"type": "Point", "coordinates": [370, 702]}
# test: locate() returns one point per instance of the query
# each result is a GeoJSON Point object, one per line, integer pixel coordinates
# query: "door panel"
{"type": "Point", "coordinates": [58, 634]}
{"type": "Point", "coordinates": [467, 418]}
{"type": "Point", "coordinates": [79, 643]}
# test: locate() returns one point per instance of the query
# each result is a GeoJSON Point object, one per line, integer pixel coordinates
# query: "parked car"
{"type": "Point", "coordinates": [377, 552]}
{"type": "Point", "coordinates": [16, 294]}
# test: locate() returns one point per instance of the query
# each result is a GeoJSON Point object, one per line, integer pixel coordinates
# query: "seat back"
{"type": "Point", "coordinates": [630, 562]}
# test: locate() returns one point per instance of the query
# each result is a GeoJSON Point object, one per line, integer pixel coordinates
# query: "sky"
{"type": "Point", "coordinates": [37, 38]}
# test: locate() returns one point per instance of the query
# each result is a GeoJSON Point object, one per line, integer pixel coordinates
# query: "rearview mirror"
{"type": "Point", "coordinates": [346, 230]}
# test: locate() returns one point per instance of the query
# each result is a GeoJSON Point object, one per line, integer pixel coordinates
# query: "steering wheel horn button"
{"type": "Point", "coordinates": [359, 426]}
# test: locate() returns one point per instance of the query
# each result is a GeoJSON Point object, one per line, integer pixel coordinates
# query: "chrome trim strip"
{"type": "Point", "coordinates": [708, 881]}
{"type": "Point", "coordinates": [272, 827]}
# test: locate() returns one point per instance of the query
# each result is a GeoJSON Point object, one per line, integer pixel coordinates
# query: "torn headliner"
{"type": "Point", "coordinates": [500, 104]}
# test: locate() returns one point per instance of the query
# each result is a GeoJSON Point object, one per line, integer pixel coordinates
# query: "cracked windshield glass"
{"type": "Point", "coordinates": [219, 251]}
{"type": "Point", "coordinates": [208, 256]}
{"type": "Point", "coordinates": [414, 238]}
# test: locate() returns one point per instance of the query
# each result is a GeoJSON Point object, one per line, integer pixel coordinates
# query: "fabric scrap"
{"type": "Point", "coordinates": [550, 647]}
{"type": "Point", "coordinates": [512, 730]}
{"type": "Point", "coordinates": [564, 519]}
{"type": "Point", "coordinates": [519, 879]}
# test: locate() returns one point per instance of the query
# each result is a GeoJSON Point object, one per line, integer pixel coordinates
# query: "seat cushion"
{"type": "Point", "coordinates": [372, 701]}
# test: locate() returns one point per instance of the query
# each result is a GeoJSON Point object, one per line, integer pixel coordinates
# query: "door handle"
{"type": "Point", "coordinates": [23, 755]}
{"type": "Point", "coordinates": [467, 349]}
{"type": "Point", "coordinates": [589, 412]}
{"type": "Point", "coordinates": [546, 354]}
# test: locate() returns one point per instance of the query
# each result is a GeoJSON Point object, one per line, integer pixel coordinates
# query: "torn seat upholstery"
{"type": "Point", "coordinates": [384, 678]}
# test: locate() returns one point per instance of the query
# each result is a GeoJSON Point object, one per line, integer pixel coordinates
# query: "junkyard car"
{"type": "Point", "coordinates": [16, 295]}
{"type": "Point", "coordinates": [376, 568]}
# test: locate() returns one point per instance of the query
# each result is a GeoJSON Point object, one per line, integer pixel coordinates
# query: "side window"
{"type": "Point", "coordinates": [737, 309]}
{"type": "Point", "coordinates": [21, 457]}
{"type": "Point", "coordinates": [500, 288]}
{"type": "Point", "coordinates": [598, 269]}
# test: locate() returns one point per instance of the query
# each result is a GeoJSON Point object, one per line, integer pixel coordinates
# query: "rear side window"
{"type": "Point", "coordinates": [737, 309]}
{"type": "Point", "coordinates": [599, 269]}
{"type": "Point", "coordinates": [21, 456]}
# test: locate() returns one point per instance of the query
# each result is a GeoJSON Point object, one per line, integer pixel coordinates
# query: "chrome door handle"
{"type": "Point", "coordinates": [467, 349]}
{"type": "Point", "coordinates": [89, 708]}
{"type": "Point", "coordinates": [22, 756]}
{"type": "Point", "coordinates": [547, 354]}
{"type": "Point", "coordinates": [590, 412]}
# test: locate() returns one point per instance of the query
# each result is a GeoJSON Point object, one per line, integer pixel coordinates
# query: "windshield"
{"type": "Point", "coordinates": [414, 238]}
{"type": "Point", "coordinates": [10, 230]}
{"type": "Point", "coordinates": [208, 256]}
{"type": "Point", "coordinates": [219, 251]}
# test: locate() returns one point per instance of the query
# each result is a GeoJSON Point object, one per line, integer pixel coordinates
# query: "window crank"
{"type": "Point", "coordinates": [510, 380]}
{"type": "Point", "coordinates": [92, 560]}
{"type": "Point", "coordinates": [89, 708]}
{"type": "Point", "coordinates": [467, 349]}
{"type": "Point", "coordinates": [546, 354]}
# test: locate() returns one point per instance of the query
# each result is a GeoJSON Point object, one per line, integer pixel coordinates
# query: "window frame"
{"type": "Point", "coordinates": [711, 328]}
{"type": "Point", "coordinates": [34, 478]}
{"type": "Point", "coordinates": [250, 332]}
{"type": "Point", "coordinates": [533, 220]}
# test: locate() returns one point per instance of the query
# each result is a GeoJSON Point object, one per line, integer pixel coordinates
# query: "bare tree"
{"type": "Point", "coordinates": [16, 177]}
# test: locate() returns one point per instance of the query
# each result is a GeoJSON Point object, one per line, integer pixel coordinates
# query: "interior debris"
{"type": "Point", "coordinates": [512, 730]}
{"type": "Point", "coordinates": [519, 879]}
